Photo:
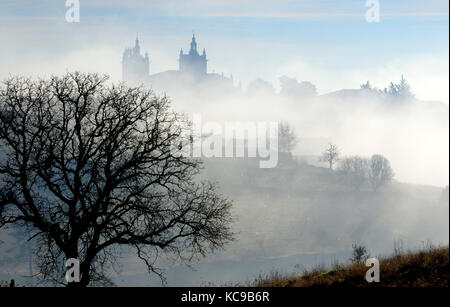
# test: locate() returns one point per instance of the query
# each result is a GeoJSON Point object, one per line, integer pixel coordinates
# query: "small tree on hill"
{"type": "Point", "coordinates": [287, 139]}
{"type": "Point", "coordinates": [356, 170]}
{"type": "Point", "coordinates": [330, 155]}
{"type": "Point", "coordinates": [359, 254]}
{"type": "Point", "coordinates": [381, 171]}
{"type": "Point", "coordinates": [366, 86]}
{"type": "Point", "coordinates": [402, 90]}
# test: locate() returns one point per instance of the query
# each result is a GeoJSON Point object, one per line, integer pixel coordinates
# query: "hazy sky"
{"type": "Point", "coordinates": [326, 42]}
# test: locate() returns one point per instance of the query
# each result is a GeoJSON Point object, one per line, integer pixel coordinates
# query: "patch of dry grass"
{"type": "Point", "coordinates": [425, 268]}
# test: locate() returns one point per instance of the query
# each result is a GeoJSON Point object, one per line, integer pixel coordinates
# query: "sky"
{"type": "Point", "coordinates": [329, 43]}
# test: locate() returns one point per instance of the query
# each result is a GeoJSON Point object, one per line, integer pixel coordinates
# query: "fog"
{"type": "Point", "coordinates": [413, 135]}
{"type": "Point", "coordinates": [301, 208]}
{"type": "Point", "coordinates": [300, 212]}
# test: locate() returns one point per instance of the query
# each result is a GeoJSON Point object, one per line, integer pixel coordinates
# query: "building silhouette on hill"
{"type": "Point", "coordinates": [192, 70]}
{"type": "Point", "coordinates": [193, 63]}
{"type": "Point", "coordinates": [135, 67]}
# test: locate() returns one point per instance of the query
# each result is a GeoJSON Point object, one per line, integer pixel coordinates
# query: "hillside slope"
{"type": "Point", "coordinates": [427, 268]}
{"type": "Point", "coordinates": [298, 208]}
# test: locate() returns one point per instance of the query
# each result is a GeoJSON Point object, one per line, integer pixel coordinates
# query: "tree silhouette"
{"type": "Point", "coordinates": [402, 90]}
{"type": "Point", "coordinates": [92, 167]}
{"type": "Point", "coordinates": [366, 86]}
{"type": "Point", "coordinates": [330, 155]}
{"type": "Point", "coordinates": [356, 169]}
{"type": "Point", "coordinates": [291, 88]}
{"type": "Point", "coordinates": [287, 139]}
{"type": "Point", "coordinates": [380, 171]}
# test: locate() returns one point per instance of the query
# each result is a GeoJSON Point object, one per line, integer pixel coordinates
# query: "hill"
{"type": "Point", "coordinates": [295, 215]}
{"type": "Point", "coordinates": [299, 208]}
{"type": "Point", "coordinates": [425, 268]}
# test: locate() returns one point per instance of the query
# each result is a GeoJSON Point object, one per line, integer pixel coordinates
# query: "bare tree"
{"type": "Point", "coordinates": [92, 168]}
{"type": "Point", "coordinates": [380, 171]}
{"type": "Point", "coordinates": [287, 139]}
{"type": "Point", "coordinates": [330, 155]}
{"type": "Point", "coordinates": [356, 170]}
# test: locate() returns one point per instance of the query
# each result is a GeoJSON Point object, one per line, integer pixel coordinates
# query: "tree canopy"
{"type": "Point", "coordinates": [90, 167]}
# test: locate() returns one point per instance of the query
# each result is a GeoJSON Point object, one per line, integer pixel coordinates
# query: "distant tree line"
{"type": "Point", "coordinates": [291, 88]}
{"type": "Point", "coordinates": [399, 91]}
{"type": "Point", "coordinates": [359, 171]}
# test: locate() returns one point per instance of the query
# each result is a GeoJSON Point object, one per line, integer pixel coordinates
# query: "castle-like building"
{"type": "Point", "coordinates": [192, 70]}
{"type": "Point", "coordinates": [193, 63]}
{"type": "Point", "coordinates": [135, 67]}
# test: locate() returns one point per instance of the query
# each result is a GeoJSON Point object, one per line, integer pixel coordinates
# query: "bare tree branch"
{"type": "Point", "coordinates": [91, 167]}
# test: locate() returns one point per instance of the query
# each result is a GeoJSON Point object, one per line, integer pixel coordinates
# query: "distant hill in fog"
{"type": "Point", "coordinates": [299, 208]}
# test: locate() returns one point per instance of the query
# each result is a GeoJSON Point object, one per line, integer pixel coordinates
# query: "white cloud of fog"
{"type": "Point", "coordinates": [99, 59]}
{"type": "Point", "coordinates": [417, 146]}
{"type": "Point", "coordinates": [41, 46]}
{"type": "Point", "coordinates": [427, 74]}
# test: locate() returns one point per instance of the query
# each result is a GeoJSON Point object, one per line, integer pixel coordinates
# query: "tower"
{"type": "Point", "coordinates": [193, 63]}
{"type": "Point", "coordinates": [135, 67]}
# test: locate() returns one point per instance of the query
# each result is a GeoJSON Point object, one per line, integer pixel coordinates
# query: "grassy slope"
{"type": "Point", "coordinates": [427, 268]}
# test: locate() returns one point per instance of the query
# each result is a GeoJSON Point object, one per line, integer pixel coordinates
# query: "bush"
{"type": "Point", "coordinates": [359, 254]}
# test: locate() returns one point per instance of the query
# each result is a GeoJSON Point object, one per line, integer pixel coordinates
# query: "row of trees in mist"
{"type": "Point", "coordinates": [359, 171]}
{"type": "Point", "coordinates": [290, 88]}
{"type": "Point", "coordinates": [399, 91]}
{"type": "Point", "coordinates": [293, 89]}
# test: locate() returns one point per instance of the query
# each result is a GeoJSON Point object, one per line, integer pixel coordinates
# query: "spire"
{"type": "Point", "coordinates": [136, 44]}
{"type": "Point", "coordinates": [204, 52]}
{"type": "Point", "coordinates": [193, 44]}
